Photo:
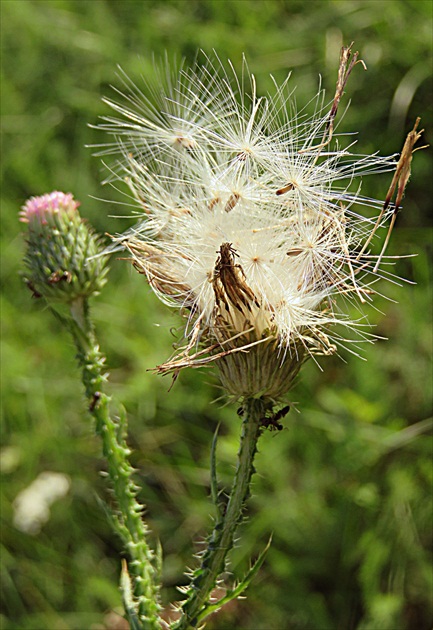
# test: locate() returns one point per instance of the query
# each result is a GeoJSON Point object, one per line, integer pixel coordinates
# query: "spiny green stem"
{"type": "Point", "coordinates": [128, 521]}
{"type": "Point", "coordinates": [222, 537]}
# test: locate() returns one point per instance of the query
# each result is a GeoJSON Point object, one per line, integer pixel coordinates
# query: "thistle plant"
{"type": "Point", "coordinates": [252, 224]}
{"type": "Point", "coordinates": [64, 266]}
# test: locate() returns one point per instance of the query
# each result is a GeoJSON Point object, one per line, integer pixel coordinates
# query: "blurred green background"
{"type": "Point", "coordinates": [345, 488]}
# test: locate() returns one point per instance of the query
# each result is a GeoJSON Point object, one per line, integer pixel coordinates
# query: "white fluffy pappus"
{"type": "Point", "coordinates": [252, 218]}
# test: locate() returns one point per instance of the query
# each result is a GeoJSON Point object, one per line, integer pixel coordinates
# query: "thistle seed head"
{"type": "Point", "coordinates": [252, 221]}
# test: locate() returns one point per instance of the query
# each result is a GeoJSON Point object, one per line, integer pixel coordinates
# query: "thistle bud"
{"type": "Point", "coordinates": [62, 261]}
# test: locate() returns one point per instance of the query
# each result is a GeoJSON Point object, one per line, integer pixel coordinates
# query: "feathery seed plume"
{"type": "Point", "coordinates": [252, 219]}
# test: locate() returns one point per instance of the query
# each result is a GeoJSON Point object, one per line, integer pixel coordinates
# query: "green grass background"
{"type": "Point", "coordinates": [345, 488]}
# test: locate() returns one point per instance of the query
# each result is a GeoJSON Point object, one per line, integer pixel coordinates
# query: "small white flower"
{"type": "Point", "coordinates": [252, 219]}
{"type": "Point", "coordinates": [32, 505]}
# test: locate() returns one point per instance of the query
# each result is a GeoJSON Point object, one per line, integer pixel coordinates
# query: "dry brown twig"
{"type": "Point", "coordinates": [344, 70]}
{"type": "Point", "coordinates": [399, 181]}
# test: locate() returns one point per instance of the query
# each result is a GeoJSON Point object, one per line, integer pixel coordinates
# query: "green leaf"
{"type": "Point", "coordinates": [129, 602]}
{"type": "Point", "coordinates": [239, 589]}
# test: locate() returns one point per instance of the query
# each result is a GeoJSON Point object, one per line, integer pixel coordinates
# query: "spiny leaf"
{"type": "Point", "coordinates": [213, 477]}
{"type": "Point", "coordinates": [128, 598]}
{"type": "Point", "coordinates": [239, 589]}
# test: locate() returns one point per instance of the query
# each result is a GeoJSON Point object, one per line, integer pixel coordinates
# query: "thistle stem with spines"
{"type": "Point", "coordinates": [194, 609]}
{"type": "Point", "coordinates": [142, 604]}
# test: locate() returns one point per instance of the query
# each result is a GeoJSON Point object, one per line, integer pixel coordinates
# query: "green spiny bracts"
{"type": "Point", "coordinates": [62, 257]}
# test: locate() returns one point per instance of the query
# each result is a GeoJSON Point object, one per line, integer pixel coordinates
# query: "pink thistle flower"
{"type": "Point", "coordinates": [37, 208]}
